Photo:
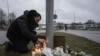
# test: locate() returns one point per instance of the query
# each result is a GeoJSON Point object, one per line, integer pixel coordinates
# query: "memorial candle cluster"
{"type": "Point", "coordinates": [41, 49]}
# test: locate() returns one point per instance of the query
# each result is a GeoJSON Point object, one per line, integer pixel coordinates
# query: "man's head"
{"type": "Point", "coordinates": [34, 16]}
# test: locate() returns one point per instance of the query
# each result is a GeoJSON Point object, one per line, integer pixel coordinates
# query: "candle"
{"type": "Point", "coordinates": [33, 53]}
{"type": "Point", "coordinates": [47, 51]}
{"type": "Point", "coordinates": [38, 50]}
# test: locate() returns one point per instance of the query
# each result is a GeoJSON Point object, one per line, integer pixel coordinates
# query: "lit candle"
{"type": "Point", "coordinates": [33, 53]}
{"type": "Point", "coordinates": [38, 50]}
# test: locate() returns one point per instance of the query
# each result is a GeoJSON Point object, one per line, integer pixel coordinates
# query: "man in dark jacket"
{"type": "Point", "coordinates": [21, 31]}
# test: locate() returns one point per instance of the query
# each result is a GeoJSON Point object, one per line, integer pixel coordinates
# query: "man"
{"type": "Point", "coordinates": [66, 27]}
{"type": "Point", "coordinates": [21, 32]}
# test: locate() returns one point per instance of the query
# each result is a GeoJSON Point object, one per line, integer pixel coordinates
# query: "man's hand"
{"type": "Point", "coordinates": [41, 40]}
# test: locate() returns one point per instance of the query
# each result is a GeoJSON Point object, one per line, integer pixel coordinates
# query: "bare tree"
{"type": "Point", "coordinates": [12, 17]}
{"type": "Point", "coordinates": [2, 15]}
{"type": "Point", "coordinates": [90, 22]}
{"type": "Point", "coordinates": [2, 18]}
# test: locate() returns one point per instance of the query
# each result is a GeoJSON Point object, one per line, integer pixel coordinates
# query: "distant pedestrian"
{"type": "Point", "coordinates": [66, 27]}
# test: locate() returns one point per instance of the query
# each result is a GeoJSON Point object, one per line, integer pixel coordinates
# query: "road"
{"type": "Point", "coordinates": [91, 35]}
{"type": "Point", "coordinates": [3, 37]}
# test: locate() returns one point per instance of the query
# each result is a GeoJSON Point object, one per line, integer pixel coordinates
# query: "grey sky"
{"type": "Point", "coordinates": [65, 9]}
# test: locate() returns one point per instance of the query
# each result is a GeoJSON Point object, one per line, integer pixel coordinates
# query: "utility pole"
{"type": "Point", "coordinates": [8, 8]}
{"type": "Point", "coordinates": [49, 22]}
{"type": "Point", "coordinates": [74, 21]}
{"type": "Point", "coordinates": [74, 16]}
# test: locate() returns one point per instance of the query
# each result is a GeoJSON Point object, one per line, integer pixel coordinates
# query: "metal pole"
{"type": "Point", "coordinates": [49, 22]}
{"type": "Point", "coordinates": [74, 16]}
{"type": "Point", "coordinates": [74, 21]}
{"type": "Point", "coordinates": [8, 8]}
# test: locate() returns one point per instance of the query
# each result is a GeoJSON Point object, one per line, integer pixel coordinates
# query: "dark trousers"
{"type": "Point", "coordinates": [17, 47]}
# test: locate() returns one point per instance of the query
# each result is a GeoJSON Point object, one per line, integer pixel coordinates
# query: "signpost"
{"type": "Point", "coordinates": [49, 22]}
{"type": "Point", "coordinates": [55, 16]}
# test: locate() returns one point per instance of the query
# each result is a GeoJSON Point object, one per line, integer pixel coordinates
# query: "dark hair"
{"type": "Point", "coordinates": [33, 13]}
{"type": "Point", "coordinates": [26, 12]}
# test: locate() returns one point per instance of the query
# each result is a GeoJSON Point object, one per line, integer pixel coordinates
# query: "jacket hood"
{"type": "Point", "coordinates": [29, 15]}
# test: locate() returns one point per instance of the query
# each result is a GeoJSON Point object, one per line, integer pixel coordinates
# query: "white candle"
{"type": "Point", "coordinates": [38, 51]}
{"type": "Point", "coordinates": [47, 51]}
{"type": "Point", "coordinates": [33, 53]}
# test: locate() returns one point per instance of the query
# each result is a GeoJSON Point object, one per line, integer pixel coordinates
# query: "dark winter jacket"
{"type": "Point", "coordinates": [22, 30]}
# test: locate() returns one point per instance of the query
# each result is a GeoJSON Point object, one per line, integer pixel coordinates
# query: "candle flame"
{"type": "Point", "coordinates": [39, 46]}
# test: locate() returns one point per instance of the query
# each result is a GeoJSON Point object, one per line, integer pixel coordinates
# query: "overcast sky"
{"type": "Point", "coordinates": [65, 9]}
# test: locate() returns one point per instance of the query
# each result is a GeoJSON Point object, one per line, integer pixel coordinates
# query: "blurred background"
{"type": "Point", "coordinates": [78, 17]}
